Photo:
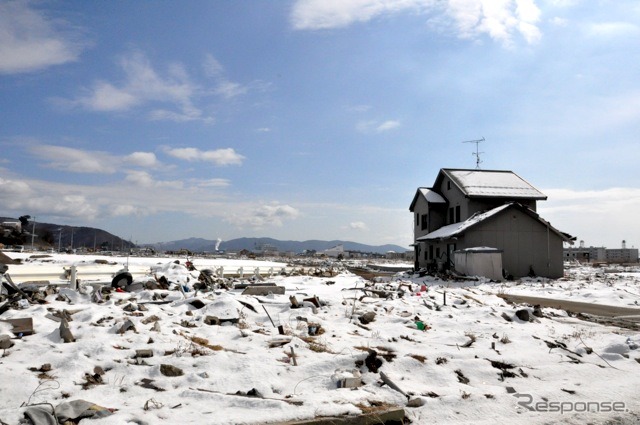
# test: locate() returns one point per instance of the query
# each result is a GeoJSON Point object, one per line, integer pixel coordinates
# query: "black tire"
{"type": "Point", "coordinates": [122, 280]}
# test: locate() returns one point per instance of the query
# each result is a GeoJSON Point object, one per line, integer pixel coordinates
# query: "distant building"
{"type": "Point", "coordinates": [9, 227]}
{"type": "Point", "coordinates": [622, 255]}
{"type": "Point", "coordinates": [584, 254]}
{"type": "Point", "coordinates": [335, 251]}
{"type": "Point", "coordinates": [406, 255]}
{"type": "Point", "coordinates": [601, 254]}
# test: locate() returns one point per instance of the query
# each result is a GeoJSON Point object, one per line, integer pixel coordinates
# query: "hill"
{"type": "Point", "coordinates": [50, 235]}
{"type": "Point", "coordinates": [256, 244]}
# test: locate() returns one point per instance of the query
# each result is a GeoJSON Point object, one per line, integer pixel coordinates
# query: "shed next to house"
{"type": "Point", "coordinates": [496, 209]}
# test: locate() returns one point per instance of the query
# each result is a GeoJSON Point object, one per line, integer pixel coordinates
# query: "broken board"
{"type": "Point", "coordinates": [22, 326]}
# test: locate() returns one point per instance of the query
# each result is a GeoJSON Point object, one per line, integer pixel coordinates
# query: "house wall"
{"type": "Point", "coordinates": [455, 198]}
{"type": "Point", "coordinates": [421, 207]}
{"type": "Point", "coordinates": [484, 204]}
{"type": "Point", "coordinates": [435, 216]}
{"type": "Point", "coordinates": [526, 243]}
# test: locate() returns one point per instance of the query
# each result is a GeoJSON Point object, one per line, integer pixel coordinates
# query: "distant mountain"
{"type": "Point", "coordinates": [256, 244]}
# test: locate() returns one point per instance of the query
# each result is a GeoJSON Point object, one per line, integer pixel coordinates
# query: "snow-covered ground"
{"type": "Point", "coordinates": [469, 364]}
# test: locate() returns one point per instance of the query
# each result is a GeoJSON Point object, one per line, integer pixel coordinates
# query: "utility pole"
{"type": "Point", "coordinates": [476, 153]}
{"type": "Point", "coordinates": [33, 233]}
{"type": "Point", "coordinates": [59, 239]}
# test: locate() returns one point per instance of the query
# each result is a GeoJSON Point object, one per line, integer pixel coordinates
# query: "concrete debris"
{"type": "Point", "coordinates": [170, 370]}
{"type": "Point", "coordinates": [523, 314]}
{"type": "Point", "coordinates": [5, 342]}
{"type": "Point", "coordinates": [347, 378]}
{"type": "Point", "coordinates": [65, 332]}
{"type": "Point", "coordinates": [211, 320]}
{"type": "Point", "coordinates": [67, 412]}
{"type": "Point", "coordinates": [148, 383]}
{"type": "Point", "coordinates": [144, 353]}
{"type": "Point", "coordinates": [127, 326]}
{"type": "Point", "coordinates": [367, 318]}
{"type": "Point", "coordinates": [416, 402]}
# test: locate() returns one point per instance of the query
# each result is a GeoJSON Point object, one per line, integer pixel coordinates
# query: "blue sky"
{"type": "Point", "coordinates": [314, 119]}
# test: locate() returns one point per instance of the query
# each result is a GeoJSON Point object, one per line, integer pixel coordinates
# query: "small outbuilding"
{"type": "Point", "coordinates": [480, 261]}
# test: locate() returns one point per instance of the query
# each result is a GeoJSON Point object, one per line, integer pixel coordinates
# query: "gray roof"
{"type": "Point", "coordinates": [431, 196]}
{"type": "Point", "coordinates": [493, 184]}
{"type": "Point", "coordinates": [456, 229]}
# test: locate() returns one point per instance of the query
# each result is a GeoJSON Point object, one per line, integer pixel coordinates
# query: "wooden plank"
{"type": "Point", "coordinates": [22, 326]}
{"type": "Point", "coordinates": [263, 290]}
{"type": "Point", "coordinates": [391, 416]}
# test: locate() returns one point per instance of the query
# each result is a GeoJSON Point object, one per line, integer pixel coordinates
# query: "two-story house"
{"type": "Point", "coordinates": [471, 209]}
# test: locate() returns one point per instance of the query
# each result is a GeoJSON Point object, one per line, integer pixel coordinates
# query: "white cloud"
{"type": "Point", "coordinates": [558, 21]}
{"type": "Point", "coordinates": [140, 178]}
{"type": "Point", "coordinates": [129, 210]}
{"type": "Point", "coordinates": [322, 14]}
{"type": "Point", "coordinates": [614, 29]}
{"type": "Point", "coordinates": [74, 160]}
{"type": "Point", "coordinates": [358, 225]}
{"type": "Point", "coordinates": [29, 41]}
{"type": "Point", "coordinates": [9, 188]}
{"type": "Point", "coordinates": [499, 19]}
{"type": "Point", "coordinates": [377, 126]}
{"type": "Point", "coordinates": [220, 157]}
{"type": "Point", "coordinates": [143, 85]}
{"type": "Point", "coordinates": [229, 89]}
{"type": "Point", "coordinates": [143, 159]}
{"type": "Point", "coordinates": [87, 161]}
{"type": "Point", "coordinates": [212, 67]}
{"type": "Point", "coordinates": [225, 88]}
{"type": "Point", "coordinates": [214, 183]}
{"type": "Point", "coordinates": [388, 125]}
{"type": "Point", "coordinates": [105, 97]}
{"type": "Point", "coordinates": [266, 215]}
{"type": "Point", "coordinates": [138, 194]}
{"type": "Point", "coordinates": [47, 199]}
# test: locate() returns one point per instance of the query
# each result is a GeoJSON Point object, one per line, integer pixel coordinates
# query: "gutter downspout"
{"type": "Point", "coordinates": [548, 253]}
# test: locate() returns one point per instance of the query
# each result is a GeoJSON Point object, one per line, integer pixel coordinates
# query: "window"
{"type": "Point", "coordinates": [417, 219]}
{"type": "Point", "coordinates": [448, 184]}
{"type": "Point", "coordinates": [430, 252]}
{"type": "Point", "coordinates": [451, 217]}
{"type": "Point", "coordinates": [425, 222]}
{"type": "Point", "coordinates": [457, 213]}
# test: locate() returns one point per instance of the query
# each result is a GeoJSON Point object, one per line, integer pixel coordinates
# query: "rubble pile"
{"type": "Point", "coordinates": [185, 345]}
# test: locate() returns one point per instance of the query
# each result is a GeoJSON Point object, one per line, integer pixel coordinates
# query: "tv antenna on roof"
{"type": "Point", "coordinates": [476, 153]}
